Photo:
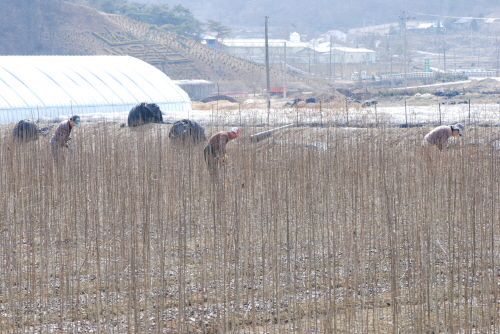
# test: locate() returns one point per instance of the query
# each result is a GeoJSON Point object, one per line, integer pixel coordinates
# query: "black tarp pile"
{"type": "Point", "coordinates": [186, 130]}
{"type": "Point", "coordinates": [26, 131]}
{"type": "Point", "coordinates": [144, 113]}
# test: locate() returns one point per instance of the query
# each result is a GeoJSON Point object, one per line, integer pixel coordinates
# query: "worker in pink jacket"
{"type": "Point", "coordinates": [440, 135]}
{"type": "Point", "coordinates": [215, 150]}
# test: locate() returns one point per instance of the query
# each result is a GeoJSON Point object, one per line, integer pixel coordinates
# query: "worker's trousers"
{"type": "Point", "coordinates": [212, 159]}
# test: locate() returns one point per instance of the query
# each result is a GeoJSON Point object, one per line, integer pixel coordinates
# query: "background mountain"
{"type": "Point", "coordinates": [165, 35]}
{"type": "Point", "coordinates": [316, 16]}
{"type": "Point", "coordinates": [53, 27]}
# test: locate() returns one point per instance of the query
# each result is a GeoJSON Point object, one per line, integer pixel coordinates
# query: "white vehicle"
{"type": "Point", "coordinates": [355, 76]}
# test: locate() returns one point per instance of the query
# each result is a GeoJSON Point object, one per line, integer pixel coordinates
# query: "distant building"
{"type": "Point", "coordinates": [197, 89]}
{"type": "Point", "coordinates": [210, 41]}
{"type": "Point", "coordinates": [463, 21]}
{"type": "Point", "coordinates": [339, 55]}
{"type": "Point", "coordinates": [294, 37]}
{"type": "Point", "coordinates": [425, 26]}
{"type": "Point", "coordinates": [348, 55]}
{"type": "Point", "coordinates": [296, 51]}
{"type": "Point", "coordinates": [254, 48]}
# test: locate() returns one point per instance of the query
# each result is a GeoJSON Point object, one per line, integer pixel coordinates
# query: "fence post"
{"type": "Point", "coordinates": [440, 113]}
{"type": "Point", "coordinates": [406, 115]}
{"type": "Point", "coordinates": [347, 112]}
{"type": "Point", "coordinates": [469, 111]}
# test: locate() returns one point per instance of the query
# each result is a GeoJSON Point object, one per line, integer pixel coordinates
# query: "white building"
{"type": "Point", "coordinates": [296, 51]}
{"type": "Point", "coordinates": [254, 49]}
{"type": "Point", "coordinates": [34, 86]}
{"type": "Point", "coordinates": [338, 54]}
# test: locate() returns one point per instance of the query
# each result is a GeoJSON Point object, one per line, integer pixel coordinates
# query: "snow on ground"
{"type": "Point", "coordinates": [450, 84]}
{"type": "Point", "coordinates": [476, 114]}
{"type": "Point", "coordinates": [479, 114]}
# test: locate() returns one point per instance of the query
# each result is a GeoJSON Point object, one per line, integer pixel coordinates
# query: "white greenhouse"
{"type": "Point", "coordinates": [35, 86]}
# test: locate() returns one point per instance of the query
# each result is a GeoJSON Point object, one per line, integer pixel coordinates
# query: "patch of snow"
{"type": "Point", "coordinates": [478, 114]}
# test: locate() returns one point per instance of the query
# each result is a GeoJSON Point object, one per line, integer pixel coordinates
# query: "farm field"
{"type": "Point", "coordinates": [320, 228]}
{"type": "Point", "coordinates": [252, 112]}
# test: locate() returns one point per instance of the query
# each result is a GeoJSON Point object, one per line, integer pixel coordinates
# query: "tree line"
{"type": "Point", "coordinates": [177, 19]}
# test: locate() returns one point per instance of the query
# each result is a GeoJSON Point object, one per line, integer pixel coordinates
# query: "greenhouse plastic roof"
{"type": "Point", "coordinates": [32, 86]}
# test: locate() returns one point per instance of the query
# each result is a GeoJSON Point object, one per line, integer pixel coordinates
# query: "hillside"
{"type": "Point", "coordinates": [80, 30]}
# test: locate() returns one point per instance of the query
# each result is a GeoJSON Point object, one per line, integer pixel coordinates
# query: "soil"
{"type": "Point", "coordinates": [88, 291]}
{"type": "Point", "coordinates": [473, 91]}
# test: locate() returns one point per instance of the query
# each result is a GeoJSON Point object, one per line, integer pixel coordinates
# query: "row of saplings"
{"type": "Point", "coordinates": [183, 131]}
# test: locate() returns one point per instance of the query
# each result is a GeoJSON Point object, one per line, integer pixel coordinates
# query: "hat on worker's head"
{"type": "Point", "coordinates": [237, 131]}
{"type": "Point", "coordinates": [76, 120]}
{"type": "Point", "coordinates": [459, 126]}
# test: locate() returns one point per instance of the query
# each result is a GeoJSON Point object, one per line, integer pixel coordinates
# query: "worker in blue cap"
{"type": "Point", "coordinates": [60, 138]}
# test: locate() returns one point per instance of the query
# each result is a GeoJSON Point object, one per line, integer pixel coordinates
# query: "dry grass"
{"type": "Point", "coordinates": [321, 229]}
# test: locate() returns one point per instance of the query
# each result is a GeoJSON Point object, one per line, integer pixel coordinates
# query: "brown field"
{"type": "Point", "coordinates": [315, 230]}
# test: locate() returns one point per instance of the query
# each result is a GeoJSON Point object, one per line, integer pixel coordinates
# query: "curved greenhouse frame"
{"type": "Point", "coordinates": [34, 86]}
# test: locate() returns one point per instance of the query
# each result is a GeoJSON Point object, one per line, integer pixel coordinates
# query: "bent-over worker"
{"type": "Point", "coordinates": [61, 136]}
{"type": "Point", "coordinates": [440, 135]}
{"type": "Point", "coordinates": [215, 150]}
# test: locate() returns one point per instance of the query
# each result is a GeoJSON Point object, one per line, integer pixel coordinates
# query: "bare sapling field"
{"type": "Point", "coordinates": [317, 229]}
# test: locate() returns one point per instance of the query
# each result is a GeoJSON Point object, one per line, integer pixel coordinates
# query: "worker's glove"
{"type": "Point", "coordinates": [223, 160]}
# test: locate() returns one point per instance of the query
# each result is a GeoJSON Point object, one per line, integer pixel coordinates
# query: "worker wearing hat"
{"type": "Point", "coordinates": [215, 150]}
{"type": "Point", "coordinates": [61, 136]}
{"type": "Point", "coordinates": [440, 135]}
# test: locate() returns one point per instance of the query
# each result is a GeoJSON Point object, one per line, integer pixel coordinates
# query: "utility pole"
{"type": "Point", "coordinates": [444, 53]}
{"type": "Point", "coordinates": [330, 74]}
{"type": "Point", "coordinates": [392, 75]}
{"type": "Point", "coordinates": [442, 30]}
{"type": "Point", "coordinates": [471, 49]}
{"type": "Point", "coordinates": [284, 71]}
{"type": "Point", "coordinates": [498, 52]}
{"type": "Point", "coordinates": [267, 70]}
{"type": "Point", "coordinates": [334, 74]}
{"type": "Point", "coordinates": [405, 21]}
{"type": "Point", "coordinates": [215, 62]}
{"type": "Point", "coordinates": [455, 61]}
{"type": "Point", "coordinates": [309, 60]}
